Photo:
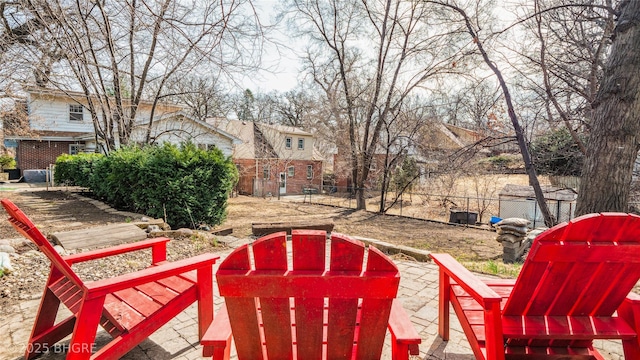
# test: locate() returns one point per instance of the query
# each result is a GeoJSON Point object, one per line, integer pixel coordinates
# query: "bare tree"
{"type": "Point", "coordinates": [203, 96]}
{"type": "Point", "coordinates": [615, 130]}
{"type": "Point", "coordinates": [367, 57]}
{"type": "Point", "coordinates": [472, 28]}
{"type": "Point", "coordinates": [120, 54]}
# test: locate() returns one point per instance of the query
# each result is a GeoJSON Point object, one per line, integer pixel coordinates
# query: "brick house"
{"type": "Point", "coordinates": [273, 159]}
{"type": "Point", "coordinates": [60, 123]}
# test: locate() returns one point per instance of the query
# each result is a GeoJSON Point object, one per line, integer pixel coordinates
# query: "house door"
{"type": "Point", "coordinates": [283, 183]}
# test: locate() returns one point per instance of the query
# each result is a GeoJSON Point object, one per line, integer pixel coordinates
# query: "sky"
{"type": "Point", "coordinates": [281, 65]}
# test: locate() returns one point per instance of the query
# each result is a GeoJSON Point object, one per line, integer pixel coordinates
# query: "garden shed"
{"type": "Point", "coordinates": [520, 201]}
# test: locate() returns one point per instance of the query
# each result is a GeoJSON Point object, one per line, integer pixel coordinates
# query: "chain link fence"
{"type": "Point", "coordinates": [471, 210]}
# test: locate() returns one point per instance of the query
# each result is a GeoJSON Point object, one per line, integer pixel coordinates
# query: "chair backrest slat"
{"type": "Point", "coordinates": [270, 254]}
{"type": "Point", "coordinates": [309, 254]}
{"type": "Point", "coordinates": [346, 256]}
{"type": "Point", "coordinates": [301, 297]}
{"type": "Point", "coordinates": [24, 226]}
{"type": "Point", "coordinates": [584, 267]}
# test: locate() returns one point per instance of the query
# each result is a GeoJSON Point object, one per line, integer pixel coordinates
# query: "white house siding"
{"type": "Point", "coordinates": [53, 115]}
{"type": "Point", "coordinates": [177, 130]}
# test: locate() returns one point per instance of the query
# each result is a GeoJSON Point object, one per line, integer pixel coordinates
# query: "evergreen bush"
{"type": "Point", "coordinates": [75, 169]}
{"type": "Point", "coordinates": [186, 185]}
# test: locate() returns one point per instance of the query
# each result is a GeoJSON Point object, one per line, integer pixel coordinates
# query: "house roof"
{"type": "Point", "coordinates": [234, 139]}
{"type": "Point", "coordinates": [44, 135]}
{"type": "Point", "coordinates": [550, 192]}
{"type": "Point", "coordinates": [285, 129]}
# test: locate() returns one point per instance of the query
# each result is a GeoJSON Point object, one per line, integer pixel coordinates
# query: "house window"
{"type": "Point", "coordinates": [291, 171]}
{"type": "Point", "coordinates": [75, 112]}
{"type": "Point", "coordinates": [265, 172]}
{"type": "Point", "coordinates": [206, 147]}
{"type": "Point", "coordinates": [309, 171]}
{"type": "Point", "coordinates": [75, 149]}
{"type": "Point", "coordinates": [287, 142]}
{"type": "Point", "coordinates": [300, 144]}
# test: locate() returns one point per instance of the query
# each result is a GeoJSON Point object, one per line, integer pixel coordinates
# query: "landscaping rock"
{"type": "Point", "coordinates": [7, 249]}
{"type": "Point", "coordinates": [60, 250]}
{"type": "Point", "coordinates": [5, 263]}
{"type": "Point", "coordinates": [518, 222]}
{"type": "Point", "coordinates": [183, 232]}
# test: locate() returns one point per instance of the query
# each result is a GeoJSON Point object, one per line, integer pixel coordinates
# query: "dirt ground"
{"type": "Point", "coordinates": [464, 243]}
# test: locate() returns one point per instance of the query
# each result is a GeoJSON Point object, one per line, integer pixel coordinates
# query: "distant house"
{"type": "Point", "coordinates": [430, 145]}
{"type": "Point", "coordinates": [273, 159]}
{"type": "Point", "coordinates": [60, 123]}
{"type": "Point", "coordinates": [520, 201]}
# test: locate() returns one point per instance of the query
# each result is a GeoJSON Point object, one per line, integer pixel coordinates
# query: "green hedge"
{"type": "Point", "coordinates": [190, 185]}
{"type": "Point", "coordinates": [75, 169]}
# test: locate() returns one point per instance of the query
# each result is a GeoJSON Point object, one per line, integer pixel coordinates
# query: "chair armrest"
{"type": "Point", "coordinates": [218, 335]}
{"type": "Point", "coordinates": [482, 293]}
{"type": "Point", "coordinates": [105, 286]}
{"type": "Point", "coordinates": [159, 246]}
{"type": "Point", "coordinates": [402, 328]}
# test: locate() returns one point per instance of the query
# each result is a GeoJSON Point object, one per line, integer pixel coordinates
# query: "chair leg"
{"type": "Point", "coordinates": [44, 332]}
{"type": "Point", "coordinates": [205, 305]}
{"type": "Point", "coordinates": [630, 311]}
{"type": "Point", "coordinates": [84, 333]}
{"type": "Point", "coordinates": [443, 305]}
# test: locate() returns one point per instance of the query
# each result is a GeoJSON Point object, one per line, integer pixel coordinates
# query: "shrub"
{"type": "Point", "coordinates": [556, 153]}
{"type": "Point", "coordinates": [7, 162]}
{"type": "Point", "coordinates": [191, 185]}
{"type": "Point", "coordinates": [75, 169]}
{"type": "Point", "coordinates": [187, 185]}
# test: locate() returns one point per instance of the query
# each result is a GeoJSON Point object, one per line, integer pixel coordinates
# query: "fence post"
{"type": "Point", "coordinates": [468, 212]}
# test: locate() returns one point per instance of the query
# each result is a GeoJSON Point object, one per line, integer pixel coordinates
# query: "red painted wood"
{"type": "Point", "coordinates": [296, 328]}
{"type": "Point", "coordinates": [245, 327]}
{"type": "Point", "coordinates": [309, 248]}
{"type": "Point", "coordinates": [270, 252]}
{"type": "Point", "coordinates": [129, 307]}
{"type": "Point", "coordinates": [576, 277]}
{"type": "Point", "coordinates": [347, 257]}
{"type": "Point", "coordinates": [270, 255]}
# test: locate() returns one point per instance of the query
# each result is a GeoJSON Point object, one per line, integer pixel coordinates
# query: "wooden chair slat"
{"type": "Point", "coordinates": [157, 292]}
{"type": "Point", "coordinates": [346, 254]}
{"type": "Point", "coordinates": [176, 283]}
{"type": "Point", "coordinates": [341, 327]}
{"type": "Point", "coordinates": [309, 254]}
{"type": "Point", "coordinates": [373, 320]}
{"type": "Point", "coordinates": [137, 301]}
{"type": "Point", "coordinates": [276, 318]}
{"type": "Point", "coordinates": [270, 252]}
{"type": "Point", "coordinates": [309, 320]}
{"type": "Point", "coordinates": [121, 314]}
{"type": "Point", "coordinates": [379, 262]}
{"type": "Point", "coordinates": [245, 328]}
{"type": "Point", "coordinates": [308, 249]}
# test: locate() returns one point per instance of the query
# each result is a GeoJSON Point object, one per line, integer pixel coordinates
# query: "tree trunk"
{"type": "Point", "coordinates": [613, 144]}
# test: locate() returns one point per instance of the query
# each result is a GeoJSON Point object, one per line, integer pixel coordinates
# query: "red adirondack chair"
{"type": "Point", "coordinates": [574, 287]}
{"type": "Point", "coordinates": [129, 307]}
{"type": "Point", "coordinates": [309, 310]}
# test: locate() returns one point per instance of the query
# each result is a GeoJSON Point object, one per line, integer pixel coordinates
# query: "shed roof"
{"type": "Point", "coordinates": [550, 192]}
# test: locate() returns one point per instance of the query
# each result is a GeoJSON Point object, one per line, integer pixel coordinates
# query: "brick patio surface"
{"type": "Point", "coordinates": [178, 339]}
